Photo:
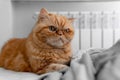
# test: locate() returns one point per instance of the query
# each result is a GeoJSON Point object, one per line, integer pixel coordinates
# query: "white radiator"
{"type": "Point", "coordinates": [94, 29]}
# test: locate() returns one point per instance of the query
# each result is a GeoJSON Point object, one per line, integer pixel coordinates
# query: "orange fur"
{"type": "Point", "coordinates": [44, 50]}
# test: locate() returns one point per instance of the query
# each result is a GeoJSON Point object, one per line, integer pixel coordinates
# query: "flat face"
{"type": "Point", "coordinates": [54, 30]}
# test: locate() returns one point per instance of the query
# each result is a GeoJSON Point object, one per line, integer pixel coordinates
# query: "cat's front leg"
{"type": "Point", "coordinates": [53, 67]}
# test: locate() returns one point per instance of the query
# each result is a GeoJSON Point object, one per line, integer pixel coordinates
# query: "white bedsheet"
{"type": "Point", "coordinates": [11, 75]}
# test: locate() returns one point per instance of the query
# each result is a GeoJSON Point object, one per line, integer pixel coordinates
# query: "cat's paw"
{"type": "Point", "coordinates": [57, 67]}
{"type": "Point", "coordinates": [64, 69]}
{"type": "Point", "coordinates": [54, 67]}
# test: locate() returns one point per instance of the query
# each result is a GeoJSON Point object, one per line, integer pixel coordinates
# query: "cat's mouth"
{"type": "Point", "coordinates": [60, 39]}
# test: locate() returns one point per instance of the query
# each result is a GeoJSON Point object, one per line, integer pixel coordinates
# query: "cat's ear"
{"type": "Point", "coordinates": [71, 20]}
{"type": "Point", "coordinates": [43, 13]}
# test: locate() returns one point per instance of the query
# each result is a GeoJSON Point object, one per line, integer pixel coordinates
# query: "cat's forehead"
{"type": "Point", "coordinates": [57, 17]}
{"type": "Point", "coordinates": [58, 20]}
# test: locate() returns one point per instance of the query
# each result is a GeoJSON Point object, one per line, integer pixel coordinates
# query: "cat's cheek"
{"type": "Point", "coordinates": [69, 37]}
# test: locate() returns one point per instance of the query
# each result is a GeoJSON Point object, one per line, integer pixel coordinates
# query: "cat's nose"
{"type": "Point", "coordinates": [60, 33]}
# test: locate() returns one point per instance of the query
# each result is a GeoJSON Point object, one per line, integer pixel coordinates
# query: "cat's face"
{"type": "Point", "coordinates": [54, 30]}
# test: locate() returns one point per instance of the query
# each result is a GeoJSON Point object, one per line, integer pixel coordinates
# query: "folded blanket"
{"type": "Point", "coordinates": [80, 69]}
{"type": "Point", "coordinates": [107, 63]}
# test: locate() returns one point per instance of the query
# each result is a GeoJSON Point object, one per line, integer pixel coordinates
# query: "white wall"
{"type": "Point", "coordinates": [23, 11]}
{"type": "Point", "coordinates": [20, 13]}
{"type": "Point", "coordinates": [5, 21]}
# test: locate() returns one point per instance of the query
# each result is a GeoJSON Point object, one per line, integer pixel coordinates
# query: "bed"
{"type": "Point", "coordinates": [91, 64]}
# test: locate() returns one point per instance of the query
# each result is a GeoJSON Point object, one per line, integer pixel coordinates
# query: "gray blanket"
{"type": "Point", "coordinates": [107, 63]}
{"type": "Point", "coordinates": [80, 69]}
{"type": "Point", "coordinates": [97, 64]}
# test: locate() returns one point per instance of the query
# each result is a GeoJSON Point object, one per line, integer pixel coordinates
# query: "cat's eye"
{"type": "Point", "coordinates": [67, 30]}
{"type": "Point", "coordinates": [52, 28]}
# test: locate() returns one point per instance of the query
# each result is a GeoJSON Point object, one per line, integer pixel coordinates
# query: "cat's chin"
{"type": "Point", "coordinates": [55, 43]}
{"type": "Point", "coordinates": [55, 46]}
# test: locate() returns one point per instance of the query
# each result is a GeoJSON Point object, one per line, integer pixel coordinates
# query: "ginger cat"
{"type": "Point", "coordinates": [46, 49]}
